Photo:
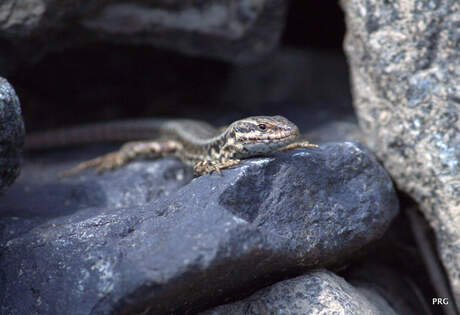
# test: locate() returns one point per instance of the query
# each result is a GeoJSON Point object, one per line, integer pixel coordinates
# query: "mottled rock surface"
{"type": "Point", "coordinates": [318, 292]}
{"type": "Point", "coordinates": [405, 64]}
{"type": "Point", "coordinates": [11, 134]}
{"type": "Point", "coordinates": [238, 31]}
{"type": "Point", "coordinates": [213, 239]}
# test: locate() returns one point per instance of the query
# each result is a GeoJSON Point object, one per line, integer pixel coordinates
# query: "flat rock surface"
{"type": "Point", "coordinates": [317, 292]}
{"type": "Point", "coordinates": [405, 65]}
{"type": "Point", "coordinates": [193, 247]}
{"type": "Point", "coordinates": [11, 134]}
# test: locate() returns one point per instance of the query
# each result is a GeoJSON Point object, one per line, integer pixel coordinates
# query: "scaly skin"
{"type": "Point", "coordinates": [195, 143]}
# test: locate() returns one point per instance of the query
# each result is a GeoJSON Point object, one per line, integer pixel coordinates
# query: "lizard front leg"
{"type": "Point", "coordinates": [208, 166]}
{"type": "Point", "coordinates": [300, 144]}
{"type": "Point", "coordinates": [128, 152]}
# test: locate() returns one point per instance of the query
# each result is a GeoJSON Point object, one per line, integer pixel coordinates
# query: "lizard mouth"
{"type": "Point", "coordinates": [259, 146]}
{"type": "Point", "coordinates": [270, 139]}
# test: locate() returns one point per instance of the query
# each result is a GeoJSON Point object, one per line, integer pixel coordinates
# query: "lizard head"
{"type": "Point", "coordinates": [259, 135]}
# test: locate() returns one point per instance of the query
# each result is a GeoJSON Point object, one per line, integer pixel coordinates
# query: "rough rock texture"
{"type": "Point", "coordinates": [405, 64]}
{"type": "Point", "coordinates": [239, 31]}
{"type": "Point", "coordinates": [11, 134]}
{"type": "Point", "coordinates": [213, 239]}
{"type": "Point", "coordinates": [318, 292]}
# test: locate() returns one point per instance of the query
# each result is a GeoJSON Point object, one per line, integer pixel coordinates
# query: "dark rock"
{"type": "Point", "coordinates": [317, 292]}
{"type": "Point", "coordinates": [292, 76]}
{"type": "Point", "coordinates": [396, 269]}
{"type": "Point", "coordinates": [214, 239]}
{"type": "Point", "coordinates": [40, 185]}
{"type": "Point", "coordinates": [381, 283]}
{"type": "Point", "coordinates": [11, 134]}
{"type": "Point", "coordinates": [345, 129]}
{"type": "Point", "coordinates": [238, 31]}
{"type": "Point", "coordinates": [405, 64]}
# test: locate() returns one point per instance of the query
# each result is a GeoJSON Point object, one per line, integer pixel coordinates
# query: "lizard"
{"type": "Point", "coordinates": [194, 142]}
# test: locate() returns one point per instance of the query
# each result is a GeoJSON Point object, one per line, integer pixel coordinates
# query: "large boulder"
{"type": "Point", "coordinates": [405, 64]}
{"type": "Point", "coordinates": [190, 248]}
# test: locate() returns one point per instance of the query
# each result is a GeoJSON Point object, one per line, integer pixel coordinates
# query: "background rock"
{"type": "Point", "coordinates": [11, 134]}
{"type": "Point", "coordinates": [265, 219]}
{"type": "Point", "coordinates": [405, 63]}
{"type": "Point", "coordinates": [318, 292]}
{"type": "Point", "coordinates": [291, 76]}
{"type": "Point", "coordinates": [381, 283]}
{"type": "Point", "coordinates": [147, 83]}
{"type": "Point", "coordinates": [396, 269]}
{"type": "Point", "coordinates": [238, 31]}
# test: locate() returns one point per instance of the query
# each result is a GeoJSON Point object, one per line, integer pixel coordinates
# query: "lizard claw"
{"type": "Point", "coordinates": [217, 170]}
{"type": "Point", "coordinates": [203, 168]}
{"type": "Point", "coordinates": [206, 167]}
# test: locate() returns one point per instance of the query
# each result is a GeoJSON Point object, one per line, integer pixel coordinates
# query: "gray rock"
{"type": "Point", "coordinates": [405, 65]}
{"type": "Point", "coordinates": [40, 185]}
{"type": "Point", "coordinates": [317, 292]}
{"type": "Point", "coordinates": [11, 134]}
{"type": "Point", "coordinates": [40, 194]}
{"type": "Point", "coordinates": [238, 31]}
{"type": "Point", "coordinates": [213, 239]}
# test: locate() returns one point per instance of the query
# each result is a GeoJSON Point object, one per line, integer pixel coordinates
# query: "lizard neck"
{"type": "Point", "coordinates": [211, 148]}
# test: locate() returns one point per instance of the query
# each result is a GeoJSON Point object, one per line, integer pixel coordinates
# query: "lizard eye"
{"type": "Point", "coordinates": [262, 126]}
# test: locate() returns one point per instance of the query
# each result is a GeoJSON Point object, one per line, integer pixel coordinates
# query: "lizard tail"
{"type": "Point", "coordinates": [93, 133]}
